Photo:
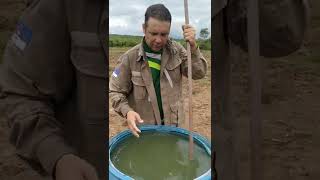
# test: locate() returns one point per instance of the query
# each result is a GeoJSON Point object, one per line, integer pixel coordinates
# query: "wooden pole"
{"type": "Point", "coordinates": [255, 77]}
{"type": "Point", "coordinates": [186, 13]}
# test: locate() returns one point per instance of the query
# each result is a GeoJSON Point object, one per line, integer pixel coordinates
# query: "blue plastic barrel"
{"type": "Point", "coordinates": [115, 174]}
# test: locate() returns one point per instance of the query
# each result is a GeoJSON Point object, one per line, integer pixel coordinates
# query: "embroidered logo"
{"type": "Point", "coordinates": [22, 37]}
{"type": "Point", "coordinates": [116, 72]}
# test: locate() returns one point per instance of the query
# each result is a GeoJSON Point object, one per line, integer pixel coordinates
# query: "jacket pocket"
{"type": "Point", "coordinates": [174, 114]}
{"type": "Point", "coordinates": [139, 88]}
{"type": "Point", "coordinates": [177, 113]}
{"type": "Point", "coordinates": [87, 54]}
{"type": "Point", "coordinates": [88, 58]}
{"type": "Point", "coordinates": [174, 69]}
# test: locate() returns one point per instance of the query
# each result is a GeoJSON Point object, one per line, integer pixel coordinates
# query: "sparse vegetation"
{"type": "Point", "coordinates": [130, 41]}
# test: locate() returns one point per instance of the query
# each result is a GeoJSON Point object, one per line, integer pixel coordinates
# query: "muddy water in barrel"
{"type": "Point", "coordinates": [159, 156]}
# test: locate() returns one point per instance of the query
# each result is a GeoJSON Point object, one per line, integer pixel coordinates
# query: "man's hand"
{"type": "Point", "coordinates": [132, 118]}
{"type": "Point", "coordinates": [189, 34]}
{"type": "Point", "coordinates": [71, 167]}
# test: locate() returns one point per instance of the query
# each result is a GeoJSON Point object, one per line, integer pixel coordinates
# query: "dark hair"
{"type": "Point", "coordinates": [157, 11]}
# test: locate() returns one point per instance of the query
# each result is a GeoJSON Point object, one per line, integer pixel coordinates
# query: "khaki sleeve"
{"type": "Point", "coordinates": [120, 86]}
{"type": "Point", "coordinates": [199, 63]}
{"type": "Point", "coordinates": [36, 76]}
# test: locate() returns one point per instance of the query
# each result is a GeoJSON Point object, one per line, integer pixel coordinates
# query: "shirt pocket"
{"type": "Point", "coordinates": [176, 113]}
{"type": "Point", "coordinates": [139, 88]}
{"type": "Point", "coordinates": [174, 68]}
{"type": "Point", "coordinates": [88, 58]}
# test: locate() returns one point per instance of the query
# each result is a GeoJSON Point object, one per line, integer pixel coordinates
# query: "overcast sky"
{"type": "Point", "coordinates": [126, 16]}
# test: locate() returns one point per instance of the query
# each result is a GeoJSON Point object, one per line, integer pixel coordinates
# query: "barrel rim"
{"type": "Point", "coordinates": [162, 128]}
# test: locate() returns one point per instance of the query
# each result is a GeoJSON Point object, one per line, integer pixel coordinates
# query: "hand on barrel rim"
{"type": "Point", "coordinates": [132, 118]}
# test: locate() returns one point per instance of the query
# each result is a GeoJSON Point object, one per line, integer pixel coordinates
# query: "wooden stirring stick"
{"type": "Point", "coordinates": [186, 13]}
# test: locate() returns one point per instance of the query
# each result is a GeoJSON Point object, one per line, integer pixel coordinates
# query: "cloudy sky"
{"type": "Point", "coordinates": [126, 16]}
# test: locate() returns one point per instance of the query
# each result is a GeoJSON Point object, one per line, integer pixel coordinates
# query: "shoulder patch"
{"type": "Point", "coordinates": [116, 72]}
{"type": "Point", "coordinates": [22, 37]}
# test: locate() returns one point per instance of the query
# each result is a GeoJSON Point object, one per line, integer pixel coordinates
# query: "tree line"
{"type": "Point", "coordinates": [129, 41]}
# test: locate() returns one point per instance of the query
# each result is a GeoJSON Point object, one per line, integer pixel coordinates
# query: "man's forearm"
{"type": "Point", "coordinates": [199, 65]}
{"type": "Point", "coordinates": [119, 103]}
{"type": "Point", "coordinates": [34, 131]}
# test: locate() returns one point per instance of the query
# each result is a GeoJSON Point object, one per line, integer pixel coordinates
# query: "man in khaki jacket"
{"type": "Point", "coordinates": [52, 88]}
{"type": "Point", "coordinates": [146, 85]}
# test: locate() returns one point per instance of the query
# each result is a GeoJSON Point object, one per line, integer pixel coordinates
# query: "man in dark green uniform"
{"type": "Point", "coordinates": [53, 83]}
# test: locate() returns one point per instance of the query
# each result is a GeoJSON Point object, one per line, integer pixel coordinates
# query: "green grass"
{"type": "Point", "coordinates": [130, 41]}
{"type": "Point", "coordinates": [123, 40]}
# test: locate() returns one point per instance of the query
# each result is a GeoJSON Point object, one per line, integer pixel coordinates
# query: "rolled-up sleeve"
{"type": "Point", "coordinates": [199, 63]}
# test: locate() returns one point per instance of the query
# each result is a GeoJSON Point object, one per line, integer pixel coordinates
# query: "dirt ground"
{"type": "Point", "coordinates": [291, 108]}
